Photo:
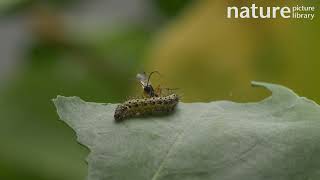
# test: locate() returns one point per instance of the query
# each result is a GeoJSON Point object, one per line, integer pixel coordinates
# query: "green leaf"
{"type": "Point", "coordinates": [277, 138]}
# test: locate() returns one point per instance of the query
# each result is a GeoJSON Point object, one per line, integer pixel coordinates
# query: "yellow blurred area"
{"type": "Point", "coordinates": [211, 57]}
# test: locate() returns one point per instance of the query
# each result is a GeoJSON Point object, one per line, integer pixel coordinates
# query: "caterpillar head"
{"type": "Point", "coordinates": [120, 112]}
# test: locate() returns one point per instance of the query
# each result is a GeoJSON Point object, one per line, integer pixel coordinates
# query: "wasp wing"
{"type": "Point", "coordinates": [143, 79]}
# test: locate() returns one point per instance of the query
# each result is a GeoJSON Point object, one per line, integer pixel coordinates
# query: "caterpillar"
{"type": "Point", "coordinates": [146, 106]}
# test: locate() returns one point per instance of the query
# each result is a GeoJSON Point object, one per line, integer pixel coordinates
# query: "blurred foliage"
{"type": "Point", "coordinates": [42, 147]}
{"type": "Point", "coordinates": [171, 8]}
{"type": "Point", "coordinates": [11, 7]}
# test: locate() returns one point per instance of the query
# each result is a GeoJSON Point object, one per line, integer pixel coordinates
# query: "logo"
{"type": "Point", "coordinates": [256, 12]}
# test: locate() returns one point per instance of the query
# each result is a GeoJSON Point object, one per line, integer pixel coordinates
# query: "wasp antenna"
{"type": "Point", "coordinates": [151, 75]}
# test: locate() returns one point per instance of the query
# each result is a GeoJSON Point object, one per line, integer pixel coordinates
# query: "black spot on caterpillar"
{"type": "Point", "coordinates": [146, 106]}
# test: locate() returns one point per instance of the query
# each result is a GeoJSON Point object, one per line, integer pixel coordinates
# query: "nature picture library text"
{"type": "Point", "coordinates": [295, 12]}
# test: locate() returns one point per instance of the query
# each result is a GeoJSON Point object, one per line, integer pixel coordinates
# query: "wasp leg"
{"type": "Point", "coordinates": [158, 91]}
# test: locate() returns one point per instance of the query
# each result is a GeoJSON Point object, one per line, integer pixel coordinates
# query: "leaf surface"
{"type": "Point", "coordinates": [276, 138]}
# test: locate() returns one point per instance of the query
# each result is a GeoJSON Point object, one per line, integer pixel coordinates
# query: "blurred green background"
{"type": "Point", "coordinates": [93, 49]}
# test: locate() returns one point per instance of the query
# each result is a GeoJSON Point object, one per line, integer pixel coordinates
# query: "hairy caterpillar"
{"type": "Point", "coordinates": [145, 106]}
